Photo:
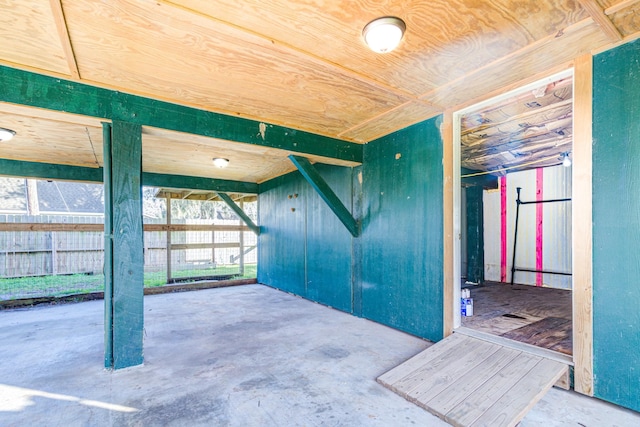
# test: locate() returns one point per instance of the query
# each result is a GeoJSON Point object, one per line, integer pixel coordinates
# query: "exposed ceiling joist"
{"type": "Point", "coordinates": [617, 7]}
{"type": "Point", "coordinates": [601, 19]}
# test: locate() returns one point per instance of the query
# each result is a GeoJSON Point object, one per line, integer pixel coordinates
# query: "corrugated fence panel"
{"type": "Point", "coordinates": [557, 227]}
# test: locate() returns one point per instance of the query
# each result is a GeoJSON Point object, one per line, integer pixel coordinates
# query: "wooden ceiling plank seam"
{"type": "Point", "coordinates": [388, 112]}
{"type": "Point", "coordinates": [317, 59]}
{"type": "Point", "coordinates": [42, 91]}
{"type": "Point", "coordinates": [65, 40]}
{"type": "Point", "coordinates": [601, 19]}
{"type": "Point", "coordinates": [619, 6]}
{"type": "Point", "coordinates": [517, 53]}
{"type": "Point", "coordinates": [374, 118]}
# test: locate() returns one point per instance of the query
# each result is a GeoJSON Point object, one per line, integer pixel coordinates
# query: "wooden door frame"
{"type": "Point", "coordinates": [582, 315]}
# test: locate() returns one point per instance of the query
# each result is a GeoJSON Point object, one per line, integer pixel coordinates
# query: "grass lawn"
{"type": "Point", "coordinates": [56, 286]}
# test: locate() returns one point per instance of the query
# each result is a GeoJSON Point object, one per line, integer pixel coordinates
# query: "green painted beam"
{"type": "Point", "coordinates": [36, 90]}
{"type": "Point", "coordinates": [49, 171]}
{"type": "Point", "coordinates": [128, 246]}
{"type": "Point", "coordinates": [487, 181]}
{"type": "Point", "coordinates": [197, 183]}
{"type": "Point", "coordinates": [78, 173]}
{"type": "Point", "coordinates": [240, 213]}
{"type": "Point", "coordinates": [326, 193]}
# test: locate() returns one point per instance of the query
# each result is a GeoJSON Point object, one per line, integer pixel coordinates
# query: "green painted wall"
{"type": "Point", "coordinates": [282, 240]}
{"type": "Point", "coordinates": [304, 248]}
{"type": "Point", "coordinates": [402, 231]}
{"type": "Point", "coordinates": [393, 273]}
{"type": "Point", "coordinates": [475, 234]}
{"type": "Point", "coordinates": [616, 232]}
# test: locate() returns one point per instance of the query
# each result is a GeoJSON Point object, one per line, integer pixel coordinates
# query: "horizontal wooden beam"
{"type": "Point", "coordinates": [485, 180]}
{"type": "Point", "coordinates": [238, 210]}
{"type": "Point", "coordinates": [186, 246]}
{"type": "Point", "coordinates": [37, 90]}
{"type": "Point", "coordinates": [18, 168]}
{"type": "Point", "coordinates": [326, 193]}
{"type": "Point", "coordinates": [50, 171]}
{"type": "Point", "coordinates": [198, 183]}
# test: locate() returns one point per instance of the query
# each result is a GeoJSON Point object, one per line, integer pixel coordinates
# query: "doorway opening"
{"type": "Point", "coordinates": [513, 201]}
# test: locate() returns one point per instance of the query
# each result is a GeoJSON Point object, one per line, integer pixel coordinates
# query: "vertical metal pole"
{"type": "Point", "coordinates": [108, 246]}
{"type": "Point", "coordinates": [168, 239]}
{"type": "Point", "coordinates": [515, 236]}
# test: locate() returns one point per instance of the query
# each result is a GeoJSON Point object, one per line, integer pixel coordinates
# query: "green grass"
{"type": "Point", "coordinates": [56, 286]}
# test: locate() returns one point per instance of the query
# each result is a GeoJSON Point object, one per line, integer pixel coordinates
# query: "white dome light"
{"type": "Point", "coordinates": [6, 134]}
{"type": "Point", "coordinates": [382, 35]}
{"type": "Point", "coordinates": [219, 162]}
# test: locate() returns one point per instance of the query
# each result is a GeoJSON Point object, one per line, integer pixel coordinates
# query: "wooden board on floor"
{"type": "Point", "coordinates": [468, 381]}
{"type": "Point", "coordinates": [506, 310]}
{"type": "Point", "coordinates": [553, 333]}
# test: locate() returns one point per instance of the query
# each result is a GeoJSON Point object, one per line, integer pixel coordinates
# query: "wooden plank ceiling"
{"type": "Point", "coordinates": [295, 63]}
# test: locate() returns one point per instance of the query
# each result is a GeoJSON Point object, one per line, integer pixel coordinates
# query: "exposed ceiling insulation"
{"type": "Point", "coordinates": [530, 130]}
{"type": "Point", "coordinates": [301, 64]}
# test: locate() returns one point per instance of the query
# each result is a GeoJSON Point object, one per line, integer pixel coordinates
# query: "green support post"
{"type": "Point", "coordinates": [123, 207]}
{"type": "Point", "coordinates": [326, 193]}
{"type": "Point", "coordinates": [108, 247]}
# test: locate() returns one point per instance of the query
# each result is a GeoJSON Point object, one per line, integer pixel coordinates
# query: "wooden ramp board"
{"type": "Point", "coordinates": [468, 381]}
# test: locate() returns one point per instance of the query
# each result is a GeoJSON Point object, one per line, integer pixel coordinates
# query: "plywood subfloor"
{"type": "Point", "coordinates": [467, 381]}
{"type": "Point", "coordinates": [533, 315]}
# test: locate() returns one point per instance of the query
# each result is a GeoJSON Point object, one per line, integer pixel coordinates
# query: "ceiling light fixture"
{"type": "Point", "coordinates": [384, 34]}
{"type": "Point", "coordinates": [219, 162]}
{"type": "Point", "coordinates": [566, 161]}
{"type": "Point", "coordinates": [6, 134]}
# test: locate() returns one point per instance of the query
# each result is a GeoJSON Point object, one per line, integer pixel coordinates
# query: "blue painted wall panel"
{"type": "Point", "coordinates": [616, 232]}
{"type": "Point", "coordinates": [402, 238]}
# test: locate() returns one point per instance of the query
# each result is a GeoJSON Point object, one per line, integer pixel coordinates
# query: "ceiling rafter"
{"type": "Point", "coordinates": [65, 39]}
{"type": "Point", "coordinates": [619, 6]}
{"type": "Point", "coordinates": [601, 19]}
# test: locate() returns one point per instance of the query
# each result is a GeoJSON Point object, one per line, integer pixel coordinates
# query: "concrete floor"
{"type": "Point", "coordinates": [240, 356]}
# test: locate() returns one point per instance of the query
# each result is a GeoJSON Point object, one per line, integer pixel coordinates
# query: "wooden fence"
{"type": "Point", "coordinates": [55, 245]}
